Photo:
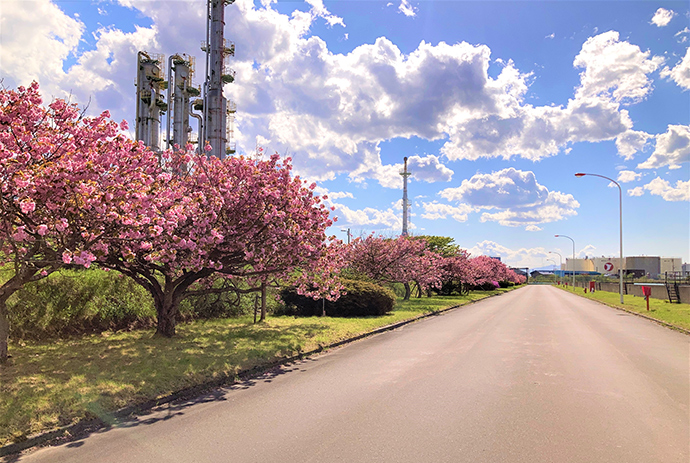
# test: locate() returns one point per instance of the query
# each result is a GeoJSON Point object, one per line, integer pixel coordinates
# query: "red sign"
{"type": "Point", "coordinates": [608, 266]}
{"type": "Point", "coordinates": [647, 290]}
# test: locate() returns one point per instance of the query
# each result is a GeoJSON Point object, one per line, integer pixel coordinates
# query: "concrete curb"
{"type": "Point", "coordinates": [655, 320]}
{"type": "Point", "coordinates": [86, 426]}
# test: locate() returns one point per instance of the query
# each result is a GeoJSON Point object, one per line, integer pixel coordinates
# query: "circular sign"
{"type": "Point", "coordinates": [608, 266]}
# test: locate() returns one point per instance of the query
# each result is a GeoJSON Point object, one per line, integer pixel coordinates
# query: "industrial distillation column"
{"type": "Point", "coordinates": [180, 89]}
{"type": "Point", "coordinates": [149, 100]}
{"type": "Point", "coordinates": [215, 104]}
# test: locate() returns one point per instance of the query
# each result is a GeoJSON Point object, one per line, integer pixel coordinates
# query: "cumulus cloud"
{"type": "Point", "coordinates": [37, 38]}
{"type": "Point", "coordinates": [331, 111]}
{"type": "Point", "coordinates": [626, 176]}
{"type": "Point", "coordinates": [672, 148]}
{"type": "Point", "coordinates": [680, 74]}
{"type": "Point", "coordinates": [435, 211]}
{"type": "Point", "coordinates": [631, 142]}
{"type": "Point", "coordinates": [523, 257]}
{"type": "Point", "coordinates": [522, 200]}
{"type": "Point", "coordinates": [662, 17]}
{"type": "Point", "coordinates": [663, 188]}
{"type": "Point", "coordinates": [428, 169]}
{"type": "Point", "coordinates": [637, 191]}
{"type": "Point", "coordinates": [615, 70]}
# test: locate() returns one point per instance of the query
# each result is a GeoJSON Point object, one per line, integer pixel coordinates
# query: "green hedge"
{"type": "Point", "coordinates": [70, 302]}
{"type": "Point", "coordinates": [361, 299]}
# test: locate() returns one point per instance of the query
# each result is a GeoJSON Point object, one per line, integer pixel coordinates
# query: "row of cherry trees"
{"type": "Point", "coordinates": [75, 191]}
{"type": "Point", "coordinates": [427, 262]}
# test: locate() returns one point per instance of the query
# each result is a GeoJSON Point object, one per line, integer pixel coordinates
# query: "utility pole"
{"type": "Point", "coordinates": [405, 204]}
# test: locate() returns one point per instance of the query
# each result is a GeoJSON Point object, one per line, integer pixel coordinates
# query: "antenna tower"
{"type": "Point", "coordinates": [405, 204]}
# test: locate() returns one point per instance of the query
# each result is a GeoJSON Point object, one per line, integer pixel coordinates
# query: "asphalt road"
{"type": "Point", "coordinates": [535, 375]}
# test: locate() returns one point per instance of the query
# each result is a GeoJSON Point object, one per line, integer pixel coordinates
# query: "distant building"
{"type": "Point", "coordinates": [651, 266]}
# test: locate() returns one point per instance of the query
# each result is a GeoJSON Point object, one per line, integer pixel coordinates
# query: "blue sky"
{"type": "Point", "coordinates": [496, 103]}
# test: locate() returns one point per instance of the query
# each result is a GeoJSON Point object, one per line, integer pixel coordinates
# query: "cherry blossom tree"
{"type": "Point", "coordinates": [69, 185]}
{"type": "Point", "coordinates": [244, 219]}
{"type": "Point", "coordinates": [398, 260]}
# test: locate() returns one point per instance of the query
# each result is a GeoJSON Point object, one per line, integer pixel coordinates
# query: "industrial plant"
{"type": "Point", "coordinates": [175, 97]}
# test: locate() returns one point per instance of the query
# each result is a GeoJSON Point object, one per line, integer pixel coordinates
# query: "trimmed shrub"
{"type": "Point", "coordinates": [362, 299]}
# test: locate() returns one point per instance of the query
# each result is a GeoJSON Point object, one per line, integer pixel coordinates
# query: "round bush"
{"type": "Point", "coordinates": [362, 299]}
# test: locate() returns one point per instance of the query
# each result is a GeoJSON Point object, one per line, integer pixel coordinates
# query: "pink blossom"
{"type": "Point", "coordinates": [42, 229]}
{"type": "Point", "coordinates": [27, 206]}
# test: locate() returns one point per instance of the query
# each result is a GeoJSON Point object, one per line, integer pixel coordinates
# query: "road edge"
{"type": "Point", "coordinates": [85, 427]}
{"type": "Point", "coordinates": [632, 312]}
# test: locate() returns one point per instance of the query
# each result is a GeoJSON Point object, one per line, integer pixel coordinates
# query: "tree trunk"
{"type": "Point", "coordinates": [166, 311]}
{"type": "Point", "coordinates": [4, 332]}
{"type": "Point", "coordinates": [323, 307]}
{"type": "Point", "coordinates": [419, 289]}
{"type": "Point", "coordinates": [263, 302]}
{"type": "Point", "coordinates": [408, 292]}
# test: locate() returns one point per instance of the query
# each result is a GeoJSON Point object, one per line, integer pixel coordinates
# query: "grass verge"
{"type": "Point", "coordinates": [675, 314]}
{"type": "Point", "coordinates": [49, 385]}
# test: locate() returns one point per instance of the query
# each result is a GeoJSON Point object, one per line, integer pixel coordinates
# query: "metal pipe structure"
{"type": "Point", "coordinates": [620, 217]}
{"type": "Point", "coordinates": [565, 236]}
{"type": "Point", "coordinates": [200, 121]}
{"type": "Point", "coordinates": [404, 174]}
{"type": "Point", "coordinates": [168, 120]}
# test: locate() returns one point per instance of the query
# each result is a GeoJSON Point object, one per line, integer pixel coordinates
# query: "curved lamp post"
{"type": "Point", "coordinates": [560, 267]}
{"type": "Point", "coordinates": [565, 236]}
{"type": "Point", "coordinates": [349, 234]}
{"type": "Point", "coordinates": [620, 213]}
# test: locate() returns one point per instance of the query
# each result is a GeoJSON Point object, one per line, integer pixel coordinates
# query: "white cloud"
{"type": "Point", "coordinates": [319, 10]}
{"type": "Point", "coordinates": [631, 142]}
{"type": "Point", "coordinates": [680, 74]}
{"type": "Point", "coordinates": [436, 211]}
{"type": "Point", "coordinates": [550, 36]}
{"type": "Point", "coordinates": [682, 32]}
{"type": "Point", "coordinates": [660, 187]}
{"type": "Point", "coordinates": [407, 9]}
{"type": "Point", "coordinates": [662, 17]}
{"type": "Point", "coordinates": [428, 169]}
{"type": "Point", "coordinates": [533, 228]}
{"type": "Point", "coordinates": [614, 70]}
{"type": "Point", "coordinates": [36, 39]}
{"type": "Point", "coordinates": [637, 191]}
{"type": "Point", "coordinates": [331, 111]}
{"type": "Point", "coordinates": [672, 148]}
{"type": "Point", "coordinates": [625, 176]}
{"type": "Point", "coordinates": [523, 257]}
{"type": "Point", "coordinates": [368, 217]}
{"type": "Point", "coordinates": [522, 200]}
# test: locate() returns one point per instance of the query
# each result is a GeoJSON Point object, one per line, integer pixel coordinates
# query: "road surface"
{"type": "Point", "coordinates": [535, 375]}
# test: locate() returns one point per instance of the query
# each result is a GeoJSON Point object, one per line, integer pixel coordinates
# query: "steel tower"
{"type": "Point", "coordinates": [405, 204]}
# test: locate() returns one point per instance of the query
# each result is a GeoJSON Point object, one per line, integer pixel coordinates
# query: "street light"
{"type": "Point", "coordinates": [565, 236]}
{"type": "Point", "coordinates": [554, 264]}
{"type": "Point", "coordinates": [349, 235]}
{"type": "Point", "coordinates": [560, 267]}
{"type": "Point", "coordinates": [620, 214]}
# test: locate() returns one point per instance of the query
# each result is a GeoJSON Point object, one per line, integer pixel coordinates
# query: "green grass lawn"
{"type": "Point", "coordinates": [676, 314]}
{"type": "Point", "coordinates": [48, 385]}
